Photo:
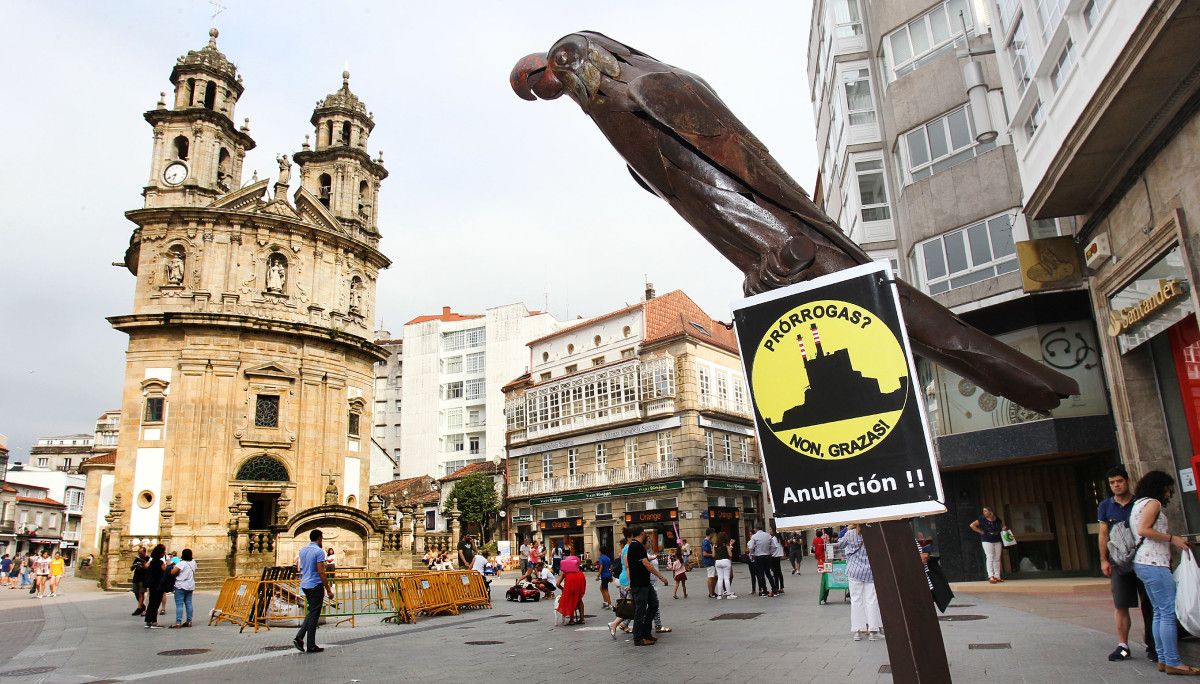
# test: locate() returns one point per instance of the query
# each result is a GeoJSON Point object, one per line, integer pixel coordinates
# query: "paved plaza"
{"type": "Point", "coordinates": [89, 636]}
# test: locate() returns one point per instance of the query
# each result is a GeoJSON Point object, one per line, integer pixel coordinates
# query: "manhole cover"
{"type": "Point", "coordinates": [736, 616]}
{"type": "Point", "coordinates": [183, 651]}
{"type": "Point", "coordinates": [588, 616]}
{"type": "Point", "coordinates": [962, 605]}
{"type": "Point", "coordinates": [961, 618]}
{"type": "Point", "coordinates": [278, 648]}
{"type": "Point", "coordinates": [519, 622]}
{"type": "Point", "coordinates": [25, 672]}
{"type": "Point", "coordinates": [988, 647]}
{"type": "Point", "coordinates": [482, 643]}
{"type": "Point", "coordinates": [885, 669]}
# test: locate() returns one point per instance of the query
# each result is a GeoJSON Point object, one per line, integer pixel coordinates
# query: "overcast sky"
{"type": "Point", "coordinates": [490, 199]}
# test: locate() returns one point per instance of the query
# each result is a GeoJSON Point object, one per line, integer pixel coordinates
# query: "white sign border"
{"type": "Point", "coordinates": [857, 515]}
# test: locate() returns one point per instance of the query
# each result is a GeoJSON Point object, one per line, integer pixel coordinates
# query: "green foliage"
{"type": "Point", "coordinates": [476, 497]}
{"type": "Point", "coordinates": [490, 549]}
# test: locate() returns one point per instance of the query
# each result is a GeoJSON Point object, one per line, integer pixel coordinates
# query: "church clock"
{"type": "Point", "coordinates": [175, 173]}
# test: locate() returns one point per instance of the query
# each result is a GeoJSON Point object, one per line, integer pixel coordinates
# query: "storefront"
{"type": "Point", "coordinates": [728, 520]}
{"type": "Point", "coordinates": [564, 532]}
{"type": "Point", "coordinates": [661, 524]}
{"type": "Point", "coordinates": [1146, 304]}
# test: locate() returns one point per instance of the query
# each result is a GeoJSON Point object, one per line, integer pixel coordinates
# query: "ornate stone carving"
{"type": "Point", "coordinates": [276, 273]}
{"type": "Point", "coordinates": [175, 265]}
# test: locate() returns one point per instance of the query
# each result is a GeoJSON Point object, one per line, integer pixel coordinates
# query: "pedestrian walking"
{"type": "Point", "coordinates": [864, 604]}
{"type": "Point", "coordinates": [138, 579]}
{"type": "Point", "coordinates": [679, 570]}
{"type": "Point", "coordinates": [759, 549]}
{"type": "Point", "coordinates": [185, 586]}
{"type": "Point", "coordinates": [535, 554]}
{"type": "Point", "coordinates": [708, 560]}
{"type": "Point", "coordinates": [41, 573]}
{"type": "Point", "coordinates": [644, 598]}
{"type": "Point", "coordinates": [723, 563]}
{"type": "Point", "coordinates": [989, 526]}
{"type": "Point", "coordinates": [6, 568]}
{"type": "Point", "coordinates": [1127, 590]}
{"type": "Point", "coordinates": [1152, 563]}
{"type": "Point", "coordinates": [604, 576]}
{"type": "Point", "coordinates": [524, 554]}
{"type": "Point", "coordinates": [686, 549]}
{"type": "Point", "coordinates": [818, 548]}
{"type": "Point", "coordinates": [573, 586]}
{"type": "Point", "coordinates": [153, 580]}
{"type": "Point", "coordinates": [777, 561]}
{"type": "Point", "coordinates": [56, 572]}
{"type": "Point", "coordinates": [26, 571]}
{"type": "Point", "coordinates": [621, 570]}
{"type": "Point", "coordinates": [315, 584]}
{"type": "Point", "coordinates": [556, 557]}
{"type": "Point", "coordinates": [795, 552]}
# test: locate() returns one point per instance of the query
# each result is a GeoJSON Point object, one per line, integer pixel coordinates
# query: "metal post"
{"type": "Point", "coordinates": [914, 636]}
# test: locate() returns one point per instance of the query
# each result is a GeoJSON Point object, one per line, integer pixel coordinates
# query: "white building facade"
{"type": "Point", "coordinates": [385, 433]}
{"type": "Point", "coordinates": [452, 408]}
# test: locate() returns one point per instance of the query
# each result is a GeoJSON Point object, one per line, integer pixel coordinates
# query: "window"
{"type": "Point", "coordinates": [705, 385]}
{"type": "Point", "coordinates": [476, 337]}
{"type": "Point", "coordinates": [872, 192]}
{"type": "Point", "coordinates": [940, 144]}
{"type": "Point", "coordinates": [453, 341]}
{"type": "Point", "coordinates": [745, 450]}
{"type": "Point", "coordinates": [664, 447]}
{"type": "Point", "coordinates": [475, 362]}
{"type": "Point", "coordinates": [857, 84]}
{"type": "Point", "coordinates": [545, 376]}
{"type": "Point", "coordinates": [397, 404]}
{"type": "Point", "coordinates": [43, 462]}
{"type": "Point", "coordinates": [1007, 8]}
{"type": "Point", "coordinates": [454, 419]}
{"type": "Point", "coordinates": [474, 418]}
{"type": "Point", "coordinates": [631, 452]}
{"type": "Point", "coordinates": [749, 503]}
{"type": "Point", "coordinates": [454, 443]}
{"type": "Point", "coordinates": [727, 447]}
{"type": "Point", "coordinates": [154, 410]}
{"type": "Point", "coordinates": [514, 411]}
{"type": "Point", "coordinates": [1034, 121]}
{"type": "Point", "coordinates": [739, 394]}
{"type": "Point", "coordinates": [596, 341]}
{"type": "Point", "coordinates": [547, 466]}
{"type": "Point", "coordinates": [1062, 67]}
{"type": "Point", "coordinates": [1020, 57]}
{"type": "Point", "coordinates": [181, 147]}
{"type": "Point", "coordinates": [475, 389]}
{"type": "Point", "coordinates": [1043, 228]}
{"type": "Point", "coordinates": [925, 37]}
{"type": "Point", "coordinates": [262, 469]}
{"type": "Point", "coordinates": [266, 411]}
{"type": "Point", "coordinates": [397, 431]}
{"type": "Point", "coordinates": [572, 368]}
{"type": "Point", "coordinates": [572, 461]}
{"type": "Point", "coordinates": [1092, 11]}
{"type": "Point", "coordinates": [658, 378]}
{"type": "Point", "coordinates": [1050, 12]}
{"type": "Point", "coordinates": [847, 19]}
{"type": "Point", "coordinates": [452, 390]}
{"type": "Point", "coordinates": [980, 251]}
{"type": "Point", "coordinates": [709, 452]}
{"type": "Point", "coordinates": [380, 407]}
{"type": "Point", "coordinates": [474, 445]}
{"type": "Point", "coordinates": [723, 388]}
{"type": "Point", "coordinates": [454, 364]}
{"type": "Point", "coordinates": [598, 361]}
{"type": "Point", "coordinates": [38, 518]}
{"type": "Point", "coordinates": [355, 419]}
{"type": "Point", "coordinates": [523, 469]}
{"type": "Point", "coordinates": [627, 353]}
{"type": "Point", "coordinates": [604, 508]}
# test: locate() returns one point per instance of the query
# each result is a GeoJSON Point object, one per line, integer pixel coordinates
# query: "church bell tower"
{"type": "Point", "coordinates": [198, 149]}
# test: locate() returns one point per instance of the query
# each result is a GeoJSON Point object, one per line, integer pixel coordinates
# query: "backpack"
{"type": "Point", "coordinates": [167, 583]}
{"type": "Point", "coordinates": [1123, 545]}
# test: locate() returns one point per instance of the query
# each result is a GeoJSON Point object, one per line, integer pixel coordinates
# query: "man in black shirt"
{"type": "Point", "coordinates": [466, 553]}
{"type": "Point", "coordinates": [645, 600]}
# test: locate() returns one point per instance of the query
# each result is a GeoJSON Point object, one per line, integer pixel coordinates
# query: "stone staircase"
{"type": "Point", "coordinates": [210, 575]}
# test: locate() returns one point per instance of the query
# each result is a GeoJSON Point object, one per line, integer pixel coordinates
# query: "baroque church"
{"type": "Point", "coordinates": [245, 414]}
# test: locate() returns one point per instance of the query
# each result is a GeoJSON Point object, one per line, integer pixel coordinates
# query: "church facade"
{"type": "Point", "coordinates": [245, 414]}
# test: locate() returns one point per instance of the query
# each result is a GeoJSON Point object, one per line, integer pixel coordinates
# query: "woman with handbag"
{"type": "Point", "coordinates": [989, 528]}
{"type": "Point", "coordinates": [1152, 564]}
{"type": "Point", "coordinates": [623, 609]}
{"type": "Point", "coordinates": [573, 585]}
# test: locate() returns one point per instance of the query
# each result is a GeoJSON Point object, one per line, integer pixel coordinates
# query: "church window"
{"type": "Point", "coordinates": [328, 132]}
{"type": "Point", "coordinates": [345, 132]}
{"type": "Point", "coordinates": [363, 188]}
{"type": "Point", "coordinates": [224, 167]}
{"type": "Point", "coordinates": [154, 410]}
{"type": "Point", "coordinates": [262, 469]}
{"type": "Point", "coordinates": [191, 91]}
{"type": "Point", "coordinates": [266, 411]}
{"type": "Point", "coordinates": [181, 147]}
{"type": "Point", "coordinates": [354, 422]}
{"type": "Point", "coordinates": [326, 185]}
{"type": "Point", "coordinates": [210, 95]}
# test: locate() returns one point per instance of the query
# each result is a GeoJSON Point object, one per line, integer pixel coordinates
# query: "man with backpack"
{"type": "Point", "coordinates": [1127, 589]}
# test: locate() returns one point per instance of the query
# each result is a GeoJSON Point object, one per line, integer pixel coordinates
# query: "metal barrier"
{"type": "Point", "coordinates": [236, 602]}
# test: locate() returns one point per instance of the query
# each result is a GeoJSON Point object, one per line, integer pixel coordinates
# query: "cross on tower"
{"type": "Point", "coordinates": [217, 9]}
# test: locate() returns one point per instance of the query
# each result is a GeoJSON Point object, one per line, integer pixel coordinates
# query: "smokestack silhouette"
{"type": "Point", "coordinates": [817, 340]}
{"type": "Point", "coordinates": [800, 341]}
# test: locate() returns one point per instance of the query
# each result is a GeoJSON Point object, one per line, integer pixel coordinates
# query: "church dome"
{"type": "Point", "coordinates": [207, 58]}
{"type": "Point", "coordinates": [343, 100]}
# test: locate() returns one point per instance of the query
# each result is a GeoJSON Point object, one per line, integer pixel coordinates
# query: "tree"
{"type": "Point", "coordinates": [476, 498]}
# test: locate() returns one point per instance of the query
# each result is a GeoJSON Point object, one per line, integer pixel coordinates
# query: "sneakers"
{"type": "Point", "coordinates": [874, 636]}
{"type": "Point", "coordinates": [1120, 653]}
{"type": "Point", "coordinates": [858, 636]}
{"type": "Point", "coordinates": [731, 596]}
{"type": "Point", "coordinates": [719, 597]}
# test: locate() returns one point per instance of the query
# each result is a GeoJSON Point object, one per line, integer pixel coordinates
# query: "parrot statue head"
{"type": "Point", "coordinates": [576, 64]}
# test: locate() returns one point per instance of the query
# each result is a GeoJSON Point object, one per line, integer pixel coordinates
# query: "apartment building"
{"type": "Point", "coordinates": [64, 452]}
{"type": "Point", "coordinates": [389, 376]}
{"type": "Point", "coordinates": [453, 368]}
{"type": "Point", "coordinates": [912, 129]}
{"type": "Point", "coordinates": [640, 416]}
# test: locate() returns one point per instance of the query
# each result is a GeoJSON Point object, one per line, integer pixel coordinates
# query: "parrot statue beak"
{"type": "Point", "coordinates": [531, 79]}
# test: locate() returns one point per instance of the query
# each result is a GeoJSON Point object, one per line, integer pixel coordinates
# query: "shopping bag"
{"type": "Point", "coordinates": [1007, 538]}
{"type": "Point", "coordinates": [1187, 593]}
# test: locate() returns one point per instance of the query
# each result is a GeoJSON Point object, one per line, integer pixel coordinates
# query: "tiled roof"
{"type": "Point", "coordinates": [446, 316]}
{"type": "Point", "coordinates": [483, 467]}
{"type": "Point", "coordinates": [44, 502]}
{"type": "Point", "coordinates": [10, 489]}
{"type": "Point", "coordinates": [670, 315]}
{"type": "Point", "coordinates": [396, 486]}
{"type": "Point", "coordinates": [103, 459]}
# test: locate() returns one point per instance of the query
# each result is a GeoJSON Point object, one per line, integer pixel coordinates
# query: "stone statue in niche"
{"type": "Point", "coordinates": [175, 267]}
{"type": "Point", "coordinates": [276, 273]}
{"type": "Point", "coordinates": [356, 288]}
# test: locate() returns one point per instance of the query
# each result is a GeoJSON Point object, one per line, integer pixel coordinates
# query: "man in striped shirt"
{"type": "Point", "coordinates": [864, 604]}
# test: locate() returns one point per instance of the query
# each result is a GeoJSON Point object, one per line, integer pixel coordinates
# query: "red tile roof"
{"type": "Point", "coordinates": [9, 489]}
{"type": "Point", "coordinates": [446, 316]}
{"type": "Point", "coordinates": [673, 314]}
{"type": "Point", "coordinates": [103, 459]}
{"type": "Point", "coordinates": [484, 467]}
{"type": "Point", "coordinates": [44, 502]}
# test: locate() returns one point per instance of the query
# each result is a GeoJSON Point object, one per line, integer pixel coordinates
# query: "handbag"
{"type": "Point", "coordinates": [1008, 538]}
{"type": "Point", "coordinates": [624, 609]}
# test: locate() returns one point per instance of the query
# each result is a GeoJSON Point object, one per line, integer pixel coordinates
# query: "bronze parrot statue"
{"type": "Point", "coordinates": [683, 144]}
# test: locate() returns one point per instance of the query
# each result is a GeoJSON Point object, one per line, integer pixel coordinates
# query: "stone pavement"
{"type": "Point", "coordinates": [88, 636]}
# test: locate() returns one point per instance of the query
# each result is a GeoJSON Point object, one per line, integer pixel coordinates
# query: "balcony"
{"type": "Point", "coordinates": [71, 535]}
{"type": "Point", "coordinates": [731, 469]}
{"type": "Point", "coordinates": [709, 402]}
{"type": "Point", "coordinates": [604, 478]}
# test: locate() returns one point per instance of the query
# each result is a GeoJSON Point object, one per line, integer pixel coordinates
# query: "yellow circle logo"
{"type": "Point", "coordinates": [830, 379]}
